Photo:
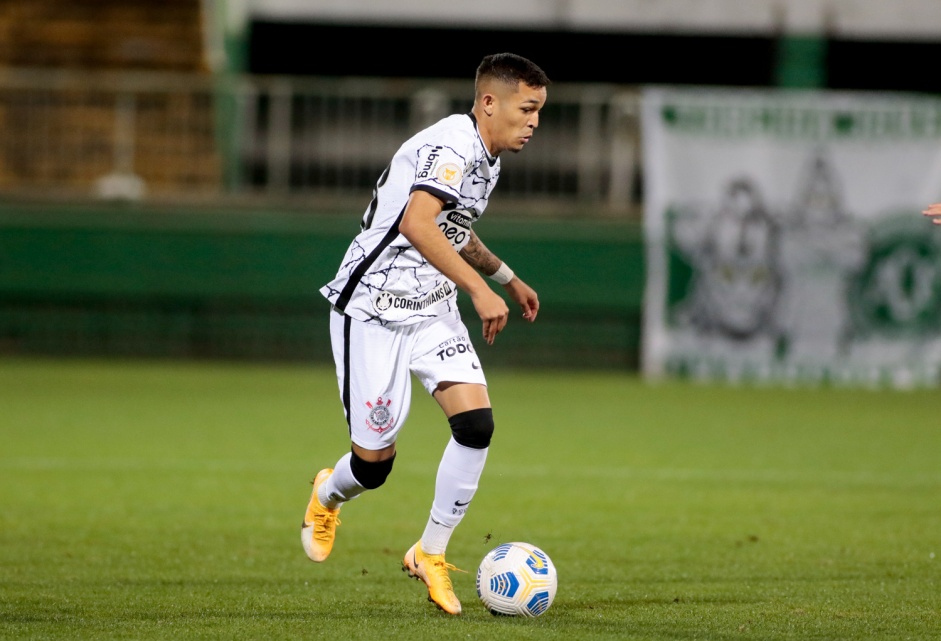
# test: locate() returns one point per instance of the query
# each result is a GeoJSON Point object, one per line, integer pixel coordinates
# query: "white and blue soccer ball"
{"type": "Point", "coordinates": [516, 579]}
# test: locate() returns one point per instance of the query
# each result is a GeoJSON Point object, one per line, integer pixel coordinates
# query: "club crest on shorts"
{"type": "Point", "coordinates": [380, 418]}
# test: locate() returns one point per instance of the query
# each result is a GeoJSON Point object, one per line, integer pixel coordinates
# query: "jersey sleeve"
{"type": "Point", "coordinates": [440, 168]}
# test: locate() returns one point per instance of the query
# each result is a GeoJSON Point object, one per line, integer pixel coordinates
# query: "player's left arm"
{"type": "Point", "coordinates": [934, 212]}
{"type": "Point", "coordinates": [476, 254]}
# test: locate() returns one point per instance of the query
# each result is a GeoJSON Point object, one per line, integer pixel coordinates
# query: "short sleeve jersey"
{"type": "Point", "coordinates": [382, 278]}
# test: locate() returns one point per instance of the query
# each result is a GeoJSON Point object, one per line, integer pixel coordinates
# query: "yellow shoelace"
{"type": "Point", "coordinates": [442, 568]}
{"type": "Point", "coordinates": [321, 529]}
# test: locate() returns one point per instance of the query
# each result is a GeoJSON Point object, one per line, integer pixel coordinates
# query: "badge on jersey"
{"type": "Point", "coordinates": [384, 301]}
{"type": "Point", "coordinates": [438, 164]}
{"type": "Point", "coordinates": [449, 173]}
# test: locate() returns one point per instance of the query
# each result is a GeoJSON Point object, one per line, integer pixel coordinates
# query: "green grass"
{"type": "Point", "coordinates": [149, 500]}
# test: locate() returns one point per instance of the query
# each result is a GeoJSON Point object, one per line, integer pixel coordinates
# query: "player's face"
{"type": "Point", "coordinates": [515, 117]}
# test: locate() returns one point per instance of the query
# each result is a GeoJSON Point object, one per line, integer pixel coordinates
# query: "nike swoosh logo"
{"type": "Point", "coordinates": [475, 365]}
{"type": "Point", "coordinates": [459, 504]}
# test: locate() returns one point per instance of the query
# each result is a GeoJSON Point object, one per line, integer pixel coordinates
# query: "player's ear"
{"type": "Point", "coordinates": [488, 102]}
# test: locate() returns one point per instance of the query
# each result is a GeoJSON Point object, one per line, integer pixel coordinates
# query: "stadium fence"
{"type": "Point", "coordinates": [172, 137]}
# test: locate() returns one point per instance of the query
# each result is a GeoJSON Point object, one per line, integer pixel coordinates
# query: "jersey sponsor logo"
{"type": "Point", "coordinates": [453, 347]}
{"type": "Point", "coordinates": [457, 236]}
{"type": "Point", "coordinates": [384, 301]}
{"type": "Point", "coordinates": [449, 173]}
{"type": "Point", "coordinates": [427, 169]}
{"type": "Point", "coordinates": [460, 219]}
{"type": "Point", "coordinates": [380, 417]}
{"type": "Point", "coordinates": [455, 225]}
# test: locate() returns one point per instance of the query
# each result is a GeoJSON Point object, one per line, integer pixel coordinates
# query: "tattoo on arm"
{"type": "Point", "coordinates": [478, 256]}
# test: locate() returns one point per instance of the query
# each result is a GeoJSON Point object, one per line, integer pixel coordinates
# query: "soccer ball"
{"type": "Point", "coordinates": [516, 579]}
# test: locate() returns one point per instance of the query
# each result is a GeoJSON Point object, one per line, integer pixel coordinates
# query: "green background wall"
{"type": "Point", "coordinates": [130, 280]}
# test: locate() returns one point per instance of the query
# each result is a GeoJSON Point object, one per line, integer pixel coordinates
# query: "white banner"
{"type": "Point", "coordinates": [785, 241]}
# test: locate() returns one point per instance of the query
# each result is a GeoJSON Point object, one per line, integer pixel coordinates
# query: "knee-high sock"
{"type": "Point", "coordinates": [342, 486]}
{"type": "Point", "coordinates": [458, 475]}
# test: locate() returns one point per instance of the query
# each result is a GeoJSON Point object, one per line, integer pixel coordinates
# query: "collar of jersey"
{"type": "Point", "coordinates": [490, 159]}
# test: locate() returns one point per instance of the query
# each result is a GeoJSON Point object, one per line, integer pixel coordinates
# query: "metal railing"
{"type": "Point", "coordinates": [282, 140]}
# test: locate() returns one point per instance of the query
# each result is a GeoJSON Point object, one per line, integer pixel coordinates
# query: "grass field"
{"type": "Point", "coordinates": [149, 500]}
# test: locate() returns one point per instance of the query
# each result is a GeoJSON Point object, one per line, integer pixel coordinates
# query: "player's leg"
{"type": "Point", "coordinates": [467, 407]}
{"type": "Point", "coordinates": [452, 373]}
{"type": "Point", "coordinates": [375, 391]}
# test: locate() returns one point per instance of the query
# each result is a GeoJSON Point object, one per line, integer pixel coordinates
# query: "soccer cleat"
{"type": "Point", "coordinates": [320, 523]}
{"type": "Point", "coordinates": [432, 569]}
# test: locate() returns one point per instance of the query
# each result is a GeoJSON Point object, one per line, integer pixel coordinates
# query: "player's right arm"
{"type": "Point", "coordinates": [420, 229]}
{"type": "Point", "coordinates": [484, 260]}
{"type": "Point", "coordinates": [934, 212]}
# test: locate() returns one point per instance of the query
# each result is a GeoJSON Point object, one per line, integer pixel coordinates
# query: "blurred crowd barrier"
{"type": "Point", "coordinates": [155, 136]}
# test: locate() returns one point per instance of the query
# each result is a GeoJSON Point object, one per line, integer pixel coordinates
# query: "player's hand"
{"type": "Point", "coordinates": [934, 212]}
{"type": "Point", "coordinates": [493, 312]}
{"type": "Point", "coordinates": [525, 297]}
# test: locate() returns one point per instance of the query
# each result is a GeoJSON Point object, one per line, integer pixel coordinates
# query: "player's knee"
{"type": "Point", "coordinates": [370, 474]}
{"type": "Point", "coordinates": [473, 428]}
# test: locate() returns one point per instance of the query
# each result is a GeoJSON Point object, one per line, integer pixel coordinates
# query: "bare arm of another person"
{"type": "Point", "coordinates": [478, 256]}
{"type": "Point", "coordinates": [419, 227]}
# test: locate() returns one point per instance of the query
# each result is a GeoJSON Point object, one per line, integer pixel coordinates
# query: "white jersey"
{"type": "Point", "coordinates": [382, 278]}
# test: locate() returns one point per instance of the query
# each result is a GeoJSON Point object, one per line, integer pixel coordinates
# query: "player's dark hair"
{"type": "Point", "coordinates": [511, 69]}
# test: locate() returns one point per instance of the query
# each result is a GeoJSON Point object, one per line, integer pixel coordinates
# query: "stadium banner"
{"type": "Point", "coordinates": [784, 236]}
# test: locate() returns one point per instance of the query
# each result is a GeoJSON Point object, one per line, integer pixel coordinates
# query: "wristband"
{"type": "Point", "coordinates": [503, 275]}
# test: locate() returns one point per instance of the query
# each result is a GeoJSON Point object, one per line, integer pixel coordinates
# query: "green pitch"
{"type": "Point", "coordinates": [164, 501]}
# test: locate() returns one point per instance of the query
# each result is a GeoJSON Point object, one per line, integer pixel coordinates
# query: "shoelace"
{"type": "Point", "coordinates": [321, 523]}
{"type": "Point", "coordinates": [442, 568]}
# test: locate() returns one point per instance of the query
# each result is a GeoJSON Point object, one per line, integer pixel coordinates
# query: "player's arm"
{"type": "Point", "coordinates": [478, 256]}
{"type": "Point", "coordinates": [934, 212]}
{"type": "Point", "coordinates": [420, 229]}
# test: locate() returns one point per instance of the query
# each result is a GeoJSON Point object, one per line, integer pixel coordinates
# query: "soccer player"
{"type": "Point", "coordinates": [394, 312]}
{"type": "Point", "coordinates": [934, 212]}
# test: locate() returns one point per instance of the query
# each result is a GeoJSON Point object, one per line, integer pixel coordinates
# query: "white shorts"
{"type": "Point", "coordinates": [375, 364]}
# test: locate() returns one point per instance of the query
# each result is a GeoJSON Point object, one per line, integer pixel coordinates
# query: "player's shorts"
{"type": "Point", "coordinates": [375, 365]}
